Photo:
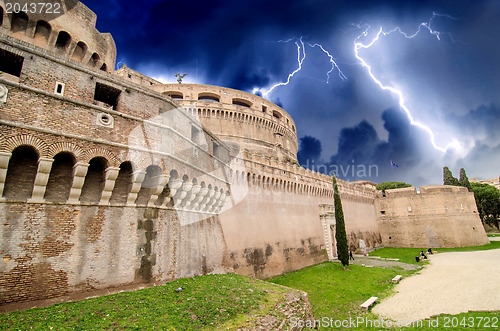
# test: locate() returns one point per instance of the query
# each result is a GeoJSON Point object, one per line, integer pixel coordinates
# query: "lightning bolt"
{"type": "Point", "coordinates": [358, 45]}
{"type": "Point", "coordinates": [333, 63]}
{"type": "Point", "coordinates": [301, 56]}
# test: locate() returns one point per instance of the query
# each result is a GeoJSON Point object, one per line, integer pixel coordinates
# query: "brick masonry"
{"type": "Point", "coordinates": [108, 178]}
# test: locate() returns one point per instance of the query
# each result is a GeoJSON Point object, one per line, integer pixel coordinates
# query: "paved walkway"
{"type": "Point", "coordinates": [451, 284]}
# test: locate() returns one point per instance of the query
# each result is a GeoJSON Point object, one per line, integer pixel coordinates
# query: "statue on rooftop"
{"type": "Point", "coordinates": [179, 77]}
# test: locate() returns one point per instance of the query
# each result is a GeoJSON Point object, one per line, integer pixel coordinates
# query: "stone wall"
{"type": "Point", "coordinates": [49, 250]}
{"type": "Point", "coordinates": [433, 216]}
{"type": "Point", "coordinates": [278, 226]}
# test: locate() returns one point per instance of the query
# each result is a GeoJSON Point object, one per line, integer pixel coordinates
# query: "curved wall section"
{"type": "Point", "coordinates": [254, 123]}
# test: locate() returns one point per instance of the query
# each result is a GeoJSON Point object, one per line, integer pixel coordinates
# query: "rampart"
{"type": "Point", "coordinates": [105, 181]}
{"type": "Point", "coordinates": [432, 216]}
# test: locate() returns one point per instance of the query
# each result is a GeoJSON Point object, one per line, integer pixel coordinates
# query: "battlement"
{"type": "Point", "coordinates": [422, 190]}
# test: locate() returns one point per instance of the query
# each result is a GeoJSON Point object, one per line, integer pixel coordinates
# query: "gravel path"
{"type": "Point", "coordinates": [451, 284]}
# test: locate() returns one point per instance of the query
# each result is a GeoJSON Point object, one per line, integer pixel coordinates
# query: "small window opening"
{"type": "Point", "coordinates": [11, 63]}
{"type": "Point", "coordinates": [59, 89]}
{"type": "Point", "coordinates": [382, 212]}
{"type": "Point", "coordinates": [277, 114]}
{"type": "Point", "coordinates": [104, 67]}
{"type": "Point", "coordinates": [107, 94]}
{"type": "Point", "coordinates": [264, 109]}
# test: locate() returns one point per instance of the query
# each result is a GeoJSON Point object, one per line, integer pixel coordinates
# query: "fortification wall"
{"type": "Point", "coordinates": [434, 216]}
{"type": "Point", "coordinates": [101, 183]}
{"type": "Point", "coordinates": [71, 36]}
{"type": "Point", "coordinates": [105, 181]}
{"type": "Point", "coordinates": [278, 227]}
{"type": "Point", "coordinates": [49, 250]}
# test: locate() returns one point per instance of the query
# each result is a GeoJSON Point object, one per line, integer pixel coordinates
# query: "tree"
{"type": "Point", "coordinates": [448, 178]}
{"type": "Point", "coordinates": [340, 233]}
{"type": "Point", "coordinates": [488, 203]}
{"type": "Point", "coordinates": [391, 185]}
{"type": "Point", "coordinates": [464, 180]}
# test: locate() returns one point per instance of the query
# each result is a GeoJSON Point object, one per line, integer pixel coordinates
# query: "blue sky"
{"type": "Point", "coordinates": [448, 74]}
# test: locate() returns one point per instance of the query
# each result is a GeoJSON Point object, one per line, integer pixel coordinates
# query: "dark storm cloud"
{"type": "Point", "coordinates": [363, 156]}
{"type": "Point", "coordinates": [178, 32]}
{"type": "Point", "coordinates": [309, 151]}
{"type": "Point", "coordinates": [482, 123]}
{"type": "Point", "coordinates": [235, 44]}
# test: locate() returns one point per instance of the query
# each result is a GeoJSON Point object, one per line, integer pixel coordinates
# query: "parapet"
{"type": "Point", "coordinates": [427, 190]}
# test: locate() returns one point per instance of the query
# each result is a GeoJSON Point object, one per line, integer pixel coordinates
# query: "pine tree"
{"type": "Point", "coordinates": [340, 233]}
{"type": "Point", "coordinates": [448, 178]}
{"type": "Point", "coordinates": [464, 180]}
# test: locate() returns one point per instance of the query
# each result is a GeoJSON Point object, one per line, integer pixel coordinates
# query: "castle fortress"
{"type": "Point", "coordinates": [110, 178]}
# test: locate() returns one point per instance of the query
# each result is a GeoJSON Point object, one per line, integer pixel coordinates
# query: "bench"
{"type": "Point", "coordinates": [397, 279]}
{"type": "Point", "coordinates": [369, 303]}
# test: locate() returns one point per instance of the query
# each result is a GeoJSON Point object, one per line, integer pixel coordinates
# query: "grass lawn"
{"type": "Point", "coordinates": [337, 293]}
{"type": "Point", "coordinates": [407, 255]}
{"type": "Point", "coordinates": [219, 302]}
{"type": "Point", "coordinates": [204, 302]}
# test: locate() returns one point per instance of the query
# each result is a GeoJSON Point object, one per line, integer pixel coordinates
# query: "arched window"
{"type": "Point", "coordinates": [63, 40]}
{"type": "Point", "coordinates": [174, 95]}
{"type": "Point", "coordinates": [21, 173]}
{"type": "Point", "coordinates": [277, 114]}
{"type": "Point", "coordinates": [94, 181]}
{"type": "Point", "coordinates": [209, 97]}
{"type": "Point", "coordinates": [149, 184]}
{"type": "Point", "coordinates": [19, 22]}
{"type": "Point", "coordinates": [60, 178]}
{"type": "Point", "coordinates": [94, 60]}
{"type": "Point", "coordinates": [42, 33]}
{"type": "Point", "coordinates": [123, 184]}
{"type": "Point", "coordinates": [104, 67]}
{"type": "Point", "coordinates": [79, 52]}
{"type": "Point", "coordinates": [242, 102]}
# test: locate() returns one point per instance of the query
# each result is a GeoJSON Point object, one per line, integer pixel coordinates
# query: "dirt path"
{"type": "Point", "coordinates": [383, 263]}
{"type": "Point", "coordinates": [452, 283]}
